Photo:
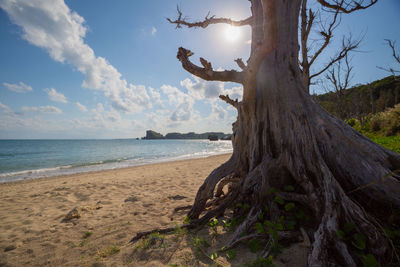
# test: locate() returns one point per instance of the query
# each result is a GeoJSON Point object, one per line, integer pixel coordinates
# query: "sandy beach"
{"type": "Point", "coordinates": [88, 219]}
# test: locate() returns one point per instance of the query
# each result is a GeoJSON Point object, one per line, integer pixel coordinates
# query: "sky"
{"type": "Point", "coordinates": [108, 69]}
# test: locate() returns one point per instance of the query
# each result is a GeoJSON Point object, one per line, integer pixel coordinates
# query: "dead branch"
{"type": "Point", "coordinates": [348, 45]}
{"type": "Point", "coordinates": [230, 101]}
{"type": "Point", "coordinates": [392, 44]}
{"type": "Point", "coordinates": [207, 73]}
{"type": "Point", "coordinates": [340, 78]}
{"type": "Point", "coordinates": [306, 25]}
{"type": "Point", "coordinates": [326, 32]}
{"type": "Point", "coordinates": [346, 6]}
{"type": "Point", "coordinates": [240, 63]}
{"type": "Point", "coordinates": [208, 21]}
{"type": "Point", "coordinates": [396, 56]}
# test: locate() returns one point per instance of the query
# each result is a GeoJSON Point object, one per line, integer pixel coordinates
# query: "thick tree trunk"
{"type": "Point", "coordinates": [282, 137]}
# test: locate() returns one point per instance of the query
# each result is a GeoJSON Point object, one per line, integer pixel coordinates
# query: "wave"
{"type": "Point", "coordinates": [113, 163]}
{"type": "Point", "coordinates": [15, 154]}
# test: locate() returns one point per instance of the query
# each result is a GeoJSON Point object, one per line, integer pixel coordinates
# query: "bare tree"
{"type": "Point", "coordinates": [287, 149]}
{"type": "Point", "coordinates": [340, 76]}
{"type": "Point", "coordinates": [311, 50]}
{"type": "Point", "coordinates": [396, 56]}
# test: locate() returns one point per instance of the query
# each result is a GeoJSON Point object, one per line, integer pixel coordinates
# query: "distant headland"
{"type": "Point", "coordinates": [150, 135]}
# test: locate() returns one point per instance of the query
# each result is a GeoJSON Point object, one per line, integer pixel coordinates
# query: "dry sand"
{"type": "Point", "coordinates": [113, 206]}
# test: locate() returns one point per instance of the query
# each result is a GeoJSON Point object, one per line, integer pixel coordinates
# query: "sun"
{"type": "Point", "coordinates": [231, 33]}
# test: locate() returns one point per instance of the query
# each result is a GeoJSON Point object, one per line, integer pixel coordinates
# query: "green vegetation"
{"type": "Point", "coordinates": [87, 234]}
{"type": "Point", "coordinates": [154, 240]}
{"type": "Point", "coordinates": [357, 241]}
{"type": "Point", "coordinates": [373, 110]}
{"type": "Point", "coordinates": [230, 254]}
{"type": "Point", "coordinates": [383, 128]}
{"type": "Point", "coordinates": [111, 250]}
{"type": "Point", "coordinates": [213, 226]}
{"type": "Point", "coordinates": [390, 142]}
{"type": "Point", "coordinates": [361, 100]}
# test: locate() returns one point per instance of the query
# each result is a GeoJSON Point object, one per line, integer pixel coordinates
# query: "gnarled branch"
{"type": "Point", "coordinates": [208, 21]}
{"type": "Point", "coordinates": [207, 73]}
{"type": "Point", "coordinates": [346, 6]}
{"type": "Point", "coordinates": [240, 63]}
{"type": "Point", "coordinates": [230, 101]}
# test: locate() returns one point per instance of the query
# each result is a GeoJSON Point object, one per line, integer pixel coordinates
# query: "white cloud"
{"type": "Point", "coordinates": [56, 96]}
{"type": "Point", "coordinates": [155, 95]}
{"type": "Point", "coordinates": [182, 113]}
{"type": "Point", "coordinates": [18, 88]}
{"type": "Point", "coordinates": [43, 109]}
{"type": "Point", "coordinates": [153, 31]}
{"type": "Point", "coordinates": [200, 89]}
{"type": "Point", "coordinates": [218, 112]}
{"type": "Point", "coordinates": [234, 92]}
{"type": "Point", "coordinates": [182, 102]}
{"type": "Point", "coordinates": [5, 108]}
{"type": "Point", "coordinates": [81, 107]}
{"type": "Point", "coordinates": [175, 96]}
{"type": "Point", "coordinates": [51, 25]}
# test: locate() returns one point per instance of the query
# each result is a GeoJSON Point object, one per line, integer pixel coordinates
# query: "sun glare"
{"type": "Point", "coordinates": [232, 34]}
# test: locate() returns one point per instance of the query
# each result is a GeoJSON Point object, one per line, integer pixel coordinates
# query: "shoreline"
{"type": "Point", "coordinates": [68, 170]}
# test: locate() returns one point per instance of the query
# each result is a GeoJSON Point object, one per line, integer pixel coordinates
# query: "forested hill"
{"type": "Point", "coordinates": [361, 100]}
{"type": "Point", "coordinates": [154, 135]}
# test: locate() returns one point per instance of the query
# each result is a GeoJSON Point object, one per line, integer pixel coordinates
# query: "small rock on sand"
{"type": "Point", "coordinates": [176, 197]}
{"type": "Point", "coordinates": [10, 247]}
{"type": "Point", "coordinates": [75, 213]}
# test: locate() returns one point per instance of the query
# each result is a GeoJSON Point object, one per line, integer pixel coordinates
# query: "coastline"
{"type": "Point", "coordinates": [49, 158]}
{"type": "Point", "coordinates": [104, 171]}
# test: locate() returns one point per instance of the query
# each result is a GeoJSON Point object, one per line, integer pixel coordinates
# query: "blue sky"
{"type": "Point", "coordinates": [108, 69]}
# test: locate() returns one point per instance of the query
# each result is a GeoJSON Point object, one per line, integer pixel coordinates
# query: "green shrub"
{"type": "Point", "coordinates": [392, 129]}
{"type": "Point", "coordinates": [352, 122]}
{"type": "Point", "coordinates": [375, 124]}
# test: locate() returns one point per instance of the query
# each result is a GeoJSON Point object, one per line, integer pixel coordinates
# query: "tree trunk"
{"type": "Point", "coordinates": [282, 137]}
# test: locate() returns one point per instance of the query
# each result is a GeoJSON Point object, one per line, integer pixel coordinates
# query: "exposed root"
{"type": "Point", "coordinates": [140, 235]}
{"type": "Point", "coordinates": [330, 205]}
{"type": "Point", "coordinates": [207, 188]}
{"type": "Point", "coordinates": [245, 226]}
{"type": "Point", "coordinates": [231, 181]}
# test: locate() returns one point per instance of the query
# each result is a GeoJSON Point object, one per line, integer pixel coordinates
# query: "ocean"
{"type": "Point", "coordinates": [30, 159]}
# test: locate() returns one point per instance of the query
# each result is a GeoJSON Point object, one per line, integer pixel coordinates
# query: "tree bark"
{"type": "Point", "coordinates": [283, 137]}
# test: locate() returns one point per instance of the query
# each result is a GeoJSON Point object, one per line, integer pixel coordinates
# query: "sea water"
{"type": "Point", "coordinates": [29, 159]}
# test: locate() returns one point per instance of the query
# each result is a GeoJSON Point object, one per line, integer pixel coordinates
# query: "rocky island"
{"type": "Point", "coordinates": [151, 135]}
